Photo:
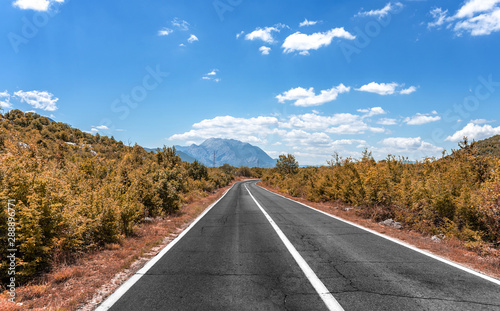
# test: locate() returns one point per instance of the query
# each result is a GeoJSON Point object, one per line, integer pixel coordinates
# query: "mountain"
{"type": "Point", "coordinates": [228, 151]}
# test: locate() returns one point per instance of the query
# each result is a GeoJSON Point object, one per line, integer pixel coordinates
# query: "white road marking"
{"type": "Point", "coordinates": [330, 302]}
{"type": "Point", "coordinates": [446, 261]}
{"type": "Point", "coordinates": [111, 300]}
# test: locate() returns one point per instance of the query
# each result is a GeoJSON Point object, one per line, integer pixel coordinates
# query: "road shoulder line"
{"type": "Point", "coordinates": [118, 293]}
{"type": "Point", "coordinates": [421, 251]}
{"type": "Point", "coordinates": [330, 301]}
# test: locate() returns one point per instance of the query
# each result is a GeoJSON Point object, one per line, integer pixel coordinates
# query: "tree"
{"type": "Point", "coordinates": [287, 165]}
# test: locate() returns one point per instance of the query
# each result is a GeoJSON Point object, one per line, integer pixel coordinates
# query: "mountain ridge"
{"type": "Point", "coordinates": [228, 151]}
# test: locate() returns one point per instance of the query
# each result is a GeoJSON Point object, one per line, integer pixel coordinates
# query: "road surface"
{"type": "Point", "coordinates": [234, 258]}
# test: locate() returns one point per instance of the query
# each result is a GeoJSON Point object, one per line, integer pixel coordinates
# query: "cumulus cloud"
{"type": "Point", "coordinates": [39, 100]}
{"type": "Point", "coordinates": [372, 111]}
{"type": "Point", "coordinates": [440, 17]}
{"type": "Point", "coordinates": [379, 88]}
{"type": "Point", "coordinates": [420, 119]}
{"type": "Point", "coordinates": [480, 25]}
{"type": "Point", "coordinates": [387, 121]}
{"type": "Point", "coordinates": [476, 17]}
{"type": "Point", "coordinates": [385, 88]}
{"type": "Point", "coordinates": [165, 31]}
{"type": "Point", "coordinates": [383, 12]}
{"type": "Point", "coordinates": [177, 24]}
{"type": "Point", "coordinates": [307, 23]}
{"type": "Point", "coordinates": [265, 34]}
{"type": "Point", "coordinates": [472, 7]}
{"type": "Point", "coordinates": [264, 50]}
{"type": "Point", "coordinates": [303, 43]}
{"type": "Point", "coordinates": [192, 39]}
{"type": "Point", "coordinates": [180, 24]}
{"type": "Point", "coordinates": [36, 5]}
{"type": "Point", "coordinates": [252, 130]}
{"type": "Point", "coordinates": [408, 145]}
{"type": "Point", "coordinates": [409, 90]}
{"type": "Point", "coordinates": [474, 131]}
{"type": "Point", "coordinates": [211, 75]}
{"type": "Point", "coordinates": [307, 98]}
{"type": "Point", "coordinates": [5, 100]}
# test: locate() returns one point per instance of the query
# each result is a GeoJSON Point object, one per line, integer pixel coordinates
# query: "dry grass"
{"type": "Point", "coordinates": [82, 285]}
{"type": "Point", "coordinates": [485, 262]}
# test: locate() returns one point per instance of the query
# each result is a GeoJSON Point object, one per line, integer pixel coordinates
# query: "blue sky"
{"type": "Point", "coordinates": [311, 78]}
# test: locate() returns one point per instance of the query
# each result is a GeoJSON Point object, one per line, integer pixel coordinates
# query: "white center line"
{"type": "Point", "coordinates": [330, 302]}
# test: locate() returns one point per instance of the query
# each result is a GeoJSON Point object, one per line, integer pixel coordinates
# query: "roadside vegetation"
{"type": "Point", "coordinates": [457, 195]}
{"type": "Point", "coordinates": [75, 192]}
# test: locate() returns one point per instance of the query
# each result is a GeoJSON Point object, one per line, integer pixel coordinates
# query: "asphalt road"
{"type": "Point", "coordinates": [233, 259]}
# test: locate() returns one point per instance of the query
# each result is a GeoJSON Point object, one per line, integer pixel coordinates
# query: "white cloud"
{"type": "Point", "coordinates": [264, 50]}
{"type": "Point", "coordinates": [36, 5]}
{"type": "Point", "coordinates": [372, 111]}
{"type": "Point", "coordinates": [474, 131]}
{"type": "Point", "coordinates": [164, 31]}
{"type": "Point", "coordinates": [440, 17]}
{"type": "Point", "coordinates": [409, 90]}
{"type": "Point", "coordinates": [211, 75]}
{"type": "Point", "coordinates": [180, 24]}
{"type": "Point", "coordinates": [480, 121]}
{"type": "Point", "coordinates": [316, 122]}
{"type": "Point", "coordinates": [5, 100]}
{"type": "Point", "coordinates": [379, 88]}
{"type": "Point", "coordinates": [303, 43]}
{"type": "Point", "coordinates": [238, 35]}
{"type": "Point", "coordinates": [480, 25]}
{"type": "Point", "coordinates": [388, 8]}
{"type": "Point", "coordinates": [339, 123]}
{"type": "Point", "coordinates": [472, 7]}
{"type": "Point", "coordinates": [99, 128]}
{"type": "Point", "coordinates": [385, 88]}
{"type": "Point", "coordinates": [252, 130]}
{"type": "Point", "coordinates": [192, 38]}
{"type": "Point", "coordinates": [39, 100]}
{"type": "Point", "coordinates": [387, 121]}
{"type": "Point", "coordinates": [307, 23]}
{"type": "Point", "coordinates": [308, 98]}
{"type": "Point", "coordinates": [264, 34]}
{"type": "Point", "coordinates": [420, 119]}
{"type": "Point", "coordinates": [477, 17]}
{"type": "Point", "coordinates": [408, 145]}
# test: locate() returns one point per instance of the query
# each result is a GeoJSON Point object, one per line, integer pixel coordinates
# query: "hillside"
{"type": "Point", "coordinates": [75, 192]}
{"type": "Point", "coordinates": [184, 157]}
{"type": "Point", "coordinates": [489, 146]}
{"type": "Point", "coordinates": [228, 151]}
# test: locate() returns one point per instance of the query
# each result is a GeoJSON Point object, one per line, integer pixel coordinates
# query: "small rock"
{"type": "Point", "coordinates": [391, 223]}
{"type": "Point", "coordinates": [437, 238]}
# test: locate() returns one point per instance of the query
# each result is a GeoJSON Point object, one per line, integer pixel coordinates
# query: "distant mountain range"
{"type": "Point", "coordinates": [226, 151]}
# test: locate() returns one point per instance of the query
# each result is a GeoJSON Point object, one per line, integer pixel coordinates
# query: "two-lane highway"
{"type": "Point", "coordinates": [234, 258]}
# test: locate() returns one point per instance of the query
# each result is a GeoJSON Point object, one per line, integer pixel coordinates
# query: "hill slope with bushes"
{"type": "Point", "coordinates": [75, 192]}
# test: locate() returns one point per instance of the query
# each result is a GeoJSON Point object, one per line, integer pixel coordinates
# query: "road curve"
{"type": "Point", "coordinates": [233, 259]}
